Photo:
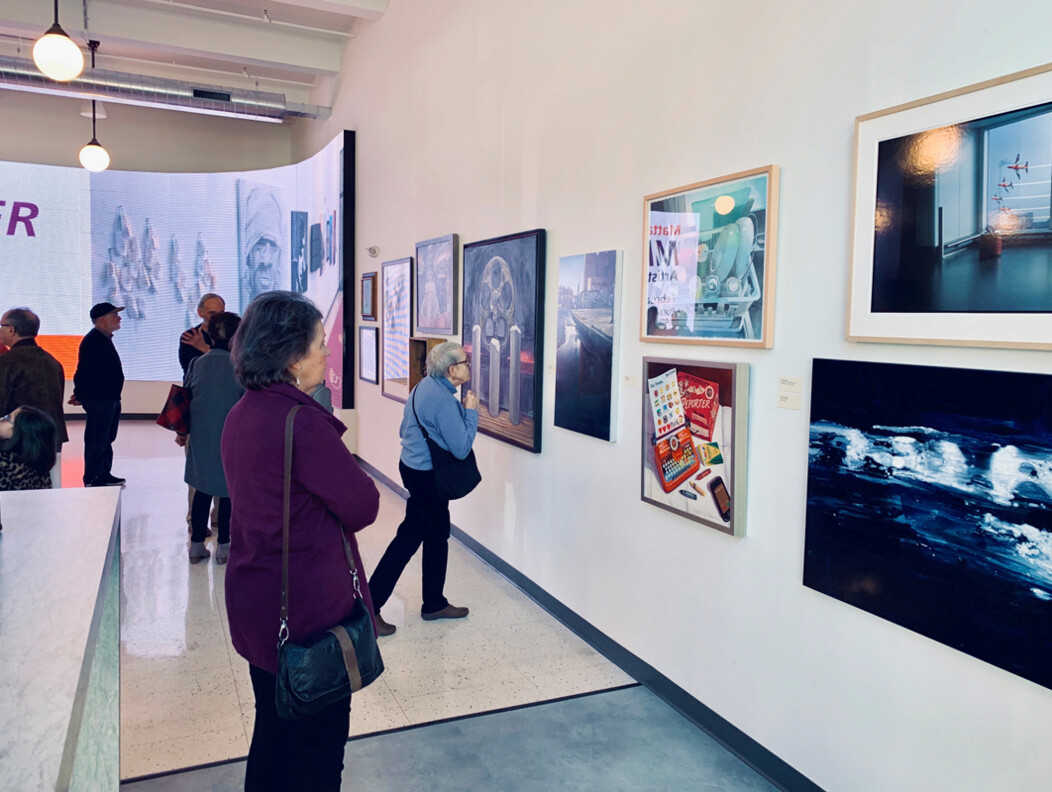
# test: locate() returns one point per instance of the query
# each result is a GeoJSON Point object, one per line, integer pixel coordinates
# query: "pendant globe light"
{"type": "Point", "coordinates": [93, 156]}
{"type": "Point", "coordinates": [56, 55]}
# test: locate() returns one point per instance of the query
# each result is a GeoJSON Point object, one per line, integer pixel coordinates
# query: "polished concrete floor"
{"type": "Point", "coordinates": [617, 740]}
{"type": "Point", "coordinates": [186, 698]}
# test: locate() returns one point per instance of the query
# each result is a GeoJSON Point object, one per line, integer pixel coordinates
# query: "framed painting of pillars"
{"type": "Point", "coordinates": [709, 261]}
{"type": "Point", "coordinates": [503, 334]}
{"type": "Point", "coordinates": [952, 240]}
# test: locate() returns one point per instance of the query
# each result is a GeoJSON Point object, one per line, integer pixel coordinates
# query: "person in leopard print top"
{"type": "Point", "coordinates": [27, 449]}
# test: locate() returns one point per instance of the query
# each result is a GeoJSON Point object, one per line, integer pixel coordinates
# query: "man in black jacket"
{"type": "Point", "coordinates": [31, 376]}
{"type": "Point", "coordinates": [97, 387]}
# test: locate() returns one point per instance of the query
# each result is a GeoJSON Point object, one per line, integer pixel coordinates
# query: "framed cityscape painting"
{"type": "Point", "coordinates": [368, 349]}
{"type": "Point", "coordinates": [398, 327]}
{"type": "Point", "coordinates": [503, 334]}
{"type": "Point", "coordinates": [952, 243]}
{"type": "Point", "coordinates": [435, 286]}
{"type": "Point", "coordinates": [708, 276]}
{"type": "Point", "coordinates": [695, 438]}
{"type": "Point", "coordinates": [588, 343]}
{"type": "Point", "coordinates": [929, 504]}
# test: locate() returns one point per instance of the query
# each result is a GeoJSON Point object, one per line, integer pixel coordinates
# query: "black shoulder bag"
{"type": "Point", "coordinates": [454, 477]}
{"type": "Point", "coordinates": [343, 660]}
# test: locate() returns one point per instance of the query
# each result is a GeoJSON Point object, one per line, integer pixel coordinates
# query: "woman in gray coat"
{"type": "Point", "coordinates": [213, 391]}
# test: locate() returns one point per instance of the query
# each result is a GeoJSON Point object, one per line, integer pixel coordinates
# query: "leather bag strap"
{"type": "Point", "coordinates": [283, 629]}
{"type": "Point", "coordinates": [350, 657]}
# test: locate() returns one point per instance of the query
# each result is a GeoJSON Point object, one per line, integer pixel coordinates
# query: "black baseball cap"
{"type": "Point", "coordinates": [103, 308]}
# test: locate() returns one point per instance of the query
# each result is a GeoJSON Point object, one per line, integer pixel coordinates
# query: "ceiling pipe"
{"type": "Point", "coordinates": [20, 74]}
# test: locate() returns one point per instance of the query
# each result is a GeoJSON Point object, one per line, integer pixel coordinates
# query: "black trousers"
{"type": "Point", "coordinates": [304, 755]}
{"type": "Point", "coordinates": [202, 505]}
{"type": "Point", "coordinates": [426, 522]}
{"type": "Point", "coordinates": [100, 430]}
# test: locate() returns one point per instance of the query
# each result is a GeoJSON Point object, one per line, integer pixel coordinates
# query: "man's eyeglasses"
{"type": "Point", "coordinates": [464, 362]}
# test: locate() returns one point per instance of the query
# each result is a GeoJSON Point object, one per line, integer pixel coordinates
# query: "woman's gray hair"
{"type": "Point", "coordinates": [440, 358]}
{"type": "Point", "coordinates": [276, 331]}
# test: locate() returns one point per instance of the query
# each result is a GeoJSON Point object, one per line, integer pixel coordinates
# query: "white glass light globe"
{"type": "Point", "coordinates": [57, 56]}
{"type": "Point", "coordinates": [94, 157]}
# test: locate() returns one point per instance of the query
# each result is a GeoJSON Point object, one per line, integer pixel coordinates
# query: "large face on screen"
{"type": "Point", "coordinates": [261, 265]}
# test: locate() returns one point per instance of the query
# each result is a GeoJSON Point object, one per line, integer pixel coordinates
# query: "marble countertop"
{"type": "Point", "coordinates": [56, 548]}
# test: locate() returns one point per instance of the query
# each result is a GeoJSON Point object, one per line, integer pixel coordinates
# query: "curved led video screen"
{"type": "Point", "coordinates": [156, 242]}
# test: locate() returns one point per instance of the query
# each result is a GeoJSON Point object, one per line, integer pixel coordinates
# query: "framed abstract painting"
{"type": "Point", "coordinates": [369, 297]}
{"type": "Point", "coordinates": [398, 327]}
{"type": "Point", "coordinates": [929, 504]}
{"type": "Point", "coordinates": [368, 350]}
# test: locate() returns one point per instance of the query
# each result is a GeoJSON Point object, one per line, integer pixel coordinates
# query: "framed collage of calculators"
{"type": "Point", "coordinates": [695, 436]}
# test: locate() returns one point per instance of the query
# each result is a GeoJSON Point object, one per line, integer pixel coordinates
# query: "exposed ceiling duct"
{"type": "Point", "coordinates": [145, 91]}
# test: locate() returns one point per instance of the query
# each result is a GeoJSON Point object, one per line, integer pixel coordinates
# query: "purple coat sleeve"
{"type": "Point", "coordinates": [324, 466]}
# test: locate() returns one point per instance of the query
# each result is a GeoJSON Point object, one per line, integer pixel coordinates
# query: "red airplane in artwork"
{"type": "Point", "coordinates": [1005, 183]}
{"type": "Point", "coordinates": [1017, 167]}
{"type": "Point", "coordinates": [1003, 209]}
{"type": "Point", "coordinates": [997, 198]}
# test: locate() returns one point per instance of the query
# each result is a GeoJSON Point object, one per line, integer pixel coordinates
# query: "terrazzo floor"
{"type": "Point", "coordinates": [186, 699]}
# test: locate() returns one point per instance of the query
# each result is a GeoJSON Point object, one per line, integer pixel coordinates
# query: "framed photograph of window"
{"type": "Point", "coordinates": [952, 243]}
{"type": "Point", "coordinates": [398, 327]}
{"type": "Point", "coordinates": [368, 351]}
{"type": "Point", "coordinates": [369, 297]}
{"type": "Point", "coordinates": [708, 274]}
{"type": "Point", "coordinates": [435, 286]}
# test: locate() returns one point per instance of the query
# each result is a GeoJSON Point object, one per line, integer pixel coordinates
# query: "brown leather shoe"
{"type": "Point", "coordinates": [448, 612]}
{"type": "Point", "coordinates": [383, 629]}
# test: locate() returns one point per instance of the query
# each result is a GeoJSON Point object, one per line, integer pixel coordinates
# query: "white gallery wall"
{"type": "Point", "coordinates": [488, 117]}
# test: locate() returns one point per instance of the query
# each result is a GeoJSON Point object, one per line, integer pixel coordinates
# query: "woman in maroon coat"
{"type": "Point", "coordinates": [279, 357]}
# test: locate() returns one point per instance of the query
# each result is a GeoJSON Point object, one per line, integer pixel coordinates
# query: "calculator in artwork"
{"type": "Point", "coordinates": [674, 455]}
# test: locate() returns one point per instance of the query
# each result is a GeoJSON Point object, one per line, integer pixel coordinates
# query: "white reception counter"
{"type": "Point", "coordinates": [59, 639]}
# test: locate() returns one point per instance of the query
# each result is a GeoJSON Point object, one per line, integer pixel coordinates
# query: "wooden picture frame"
{"type": "Point", "coordinates": [695, 440]}
{"type": "Point", "coordinates": [397, 328]}
{"type": "Point", "coordinates": [369, 297]}
{"type": "Point", "coordinates": [503, 334]}
{"type": "Point", "coordinates": [435, 281]}
{"type": "Point", "coordinates": [368, 354]}
{"type": "Point", "coordinates": [951, 238]}
{"type": "Point", "coordinates": [709, 266]}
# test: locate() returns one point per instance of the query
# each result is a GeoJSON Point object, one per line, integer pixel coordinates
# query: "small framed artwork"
{"type": "Point", "coordinates": [435, 286]}
{"type": "Point", "coordinates": [369, 297]}
{"type": "Point", "coordinates": [695, 436]}
{"type": "Point", "coordinates": [952, 243]}
{"type": "Point", "coordinates": [368, 350]}
{"type": "Point", "coordinates": [587, 343]}
{"type": "Point", "coordinates": [503, 334]}
{"type": "Point", "coordinates": [709, 273]}
{"type": "Point", "coordinates": [397, 324]}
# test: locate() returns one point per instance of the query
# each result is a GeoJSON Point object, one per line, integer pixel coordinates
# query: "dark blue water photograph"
{"type": "Point", "coordinates": [929, 504]}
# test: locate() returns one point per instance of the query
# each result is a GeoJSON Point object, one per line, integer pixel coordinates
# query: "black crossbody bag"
{"type": "Point", "coordinates": [343, 660]}
{"type": "Point", "coordinates": [454, 477]}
